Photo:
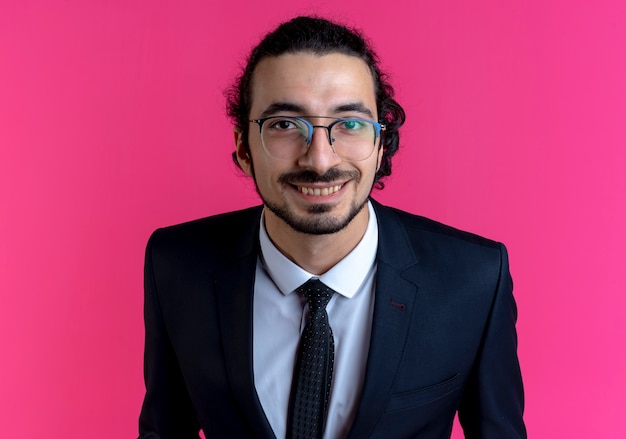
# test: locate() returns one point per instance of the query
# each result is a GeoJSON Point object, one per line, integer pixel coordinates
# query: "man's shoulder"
{"type": "Point", "coordinates": [405, 238]}
{"type": "Point", "coordinates": [421, 228]}
{"type": "Point", "coordinates": [214, 223]}
{"type": "Point", "coordinates": [221, 231]}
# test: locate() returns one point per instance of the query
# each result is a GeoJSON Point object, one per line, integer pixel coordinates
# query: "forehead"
{"type": "Point", "coordinates": [319, 84]}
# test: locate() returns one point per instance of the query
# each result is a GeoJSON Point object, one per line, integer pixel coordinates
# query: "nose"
{"type": "Point", "coordinates": [320, 155]}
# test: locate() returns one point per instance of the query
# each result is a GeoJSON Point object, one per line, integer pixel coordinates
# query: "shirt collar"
{"type": "Point", "coordinates": [345, 277]}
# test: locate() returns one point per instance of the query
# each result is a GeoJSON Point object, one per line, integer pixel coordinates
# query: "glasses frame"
{"type": "Point", "coordinates": [378, 127]}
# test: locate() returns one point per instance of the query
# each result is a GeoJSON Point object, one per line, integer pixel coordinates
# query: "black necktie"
{"type": "Point", "coordinates": [314, 367]}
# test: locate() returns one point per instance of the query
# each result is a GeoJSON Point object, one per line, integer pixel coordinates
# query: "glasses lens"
{"type": "Point", "coordinates": [284, 137]}
{"type": "Point", "coordinates": [354, 139]}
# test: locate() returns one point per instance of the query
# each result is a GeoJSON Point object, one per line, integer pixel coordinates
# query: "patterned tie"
{"type": "Point", "coordinates": [313, 372]}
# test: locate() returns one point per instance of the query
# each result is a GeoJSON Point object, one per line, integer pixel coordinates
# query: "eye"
{"type": "Point", "coordinates": [282, 124]}
{"type": "Point", "coordinates": [352, 125]}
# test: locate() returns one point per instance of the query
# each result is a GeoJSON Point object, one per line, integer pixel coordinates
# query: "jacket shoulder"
{"type": "Point", "coordinates": [423, 227]}
{"type": "Point", "coordinates": [225, 233]}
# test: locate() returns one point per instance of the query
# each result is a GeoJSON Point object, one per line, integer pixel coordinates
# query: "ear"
{"type": "Point", "coordinates": [242, 153]}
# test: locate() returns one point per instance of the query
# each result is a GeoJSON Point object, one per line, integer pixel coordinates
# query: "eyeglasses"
{"type": "Point", "coordinates": [287, 137]}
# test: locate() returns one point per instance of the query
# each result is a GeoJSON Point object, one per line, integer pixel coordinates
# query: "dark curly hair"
{"type": "Point", "coordinates": [319, 36]}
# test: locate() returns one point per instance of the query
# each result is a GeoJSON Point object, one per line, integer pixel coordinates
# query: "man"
{"type": "Point", "coordinates": [323, 313]}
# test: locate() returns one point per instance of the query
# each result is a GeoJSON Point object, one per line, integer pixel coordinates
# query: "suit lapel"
{"type": "Point", "coordinates": [394, 305]}
{"type": "Point", "coordinates": [234, 285]}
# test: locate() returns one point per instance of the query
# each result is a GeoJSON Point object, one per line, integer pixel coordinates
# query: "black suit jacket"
{"type": "Point", "coordinates": [443, 333]}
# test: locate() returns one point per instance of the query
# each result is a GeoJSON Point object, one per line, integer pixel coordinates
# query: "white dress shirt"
{"type": "Point", "coordinates": [279, 318]}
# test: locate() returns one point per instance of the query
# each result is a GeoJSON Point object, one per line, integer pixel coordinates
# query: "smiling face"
{"type": "Point", "coordinates": [316, 192]}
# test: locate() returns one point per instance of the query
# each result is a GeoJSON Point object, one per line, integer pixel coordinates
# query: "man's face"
{"type": "Point", "coordinates": [317, 192]}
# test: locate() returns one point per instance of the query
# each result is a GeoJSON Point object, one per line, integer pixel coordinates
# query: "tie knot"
{"type": "Point", "coordinates": [316, 293]}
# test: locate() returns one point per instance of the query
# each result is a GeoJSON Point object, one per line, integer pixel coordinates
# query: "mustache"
{"type": "Point", "coordinates": [329, 176]}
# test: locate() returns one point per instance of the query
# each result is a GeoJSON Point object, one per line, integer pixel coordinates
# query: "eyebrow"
{"type": "Point", "coordinates": [357, 107]}
{"type": "Point", "coordinates": [279, 107]}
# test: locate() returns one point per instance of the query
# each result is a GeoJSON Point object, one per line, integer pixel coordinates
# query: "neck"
{"type": "Point", "coordinates": [316, 253]}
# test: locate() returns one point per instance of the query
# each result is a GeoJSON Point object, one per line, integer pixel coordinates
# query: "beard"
{"type": "Point", "coordinates": [320, 221]}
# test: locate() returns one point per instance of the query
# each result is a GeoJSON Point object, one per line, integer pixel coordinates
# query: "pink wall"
{"type": "Point", "coordinates": [111, 124]}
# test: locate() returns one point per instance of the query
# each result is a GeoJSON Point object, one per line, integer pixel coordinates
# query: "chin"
{"type": "Point", "coordinates": [319, 220]}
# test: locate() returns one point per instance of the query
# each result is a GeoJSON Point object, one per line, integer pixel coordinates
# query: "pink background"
{"type": "Point", "coordinates": [112, 124]}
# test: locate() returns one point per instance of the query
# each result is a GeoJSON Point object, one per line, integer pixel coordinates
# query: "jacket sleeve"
{"type": "Point", "coordinates": [167, 411]}
{"type": "Point", "coordinates": [493, 402]}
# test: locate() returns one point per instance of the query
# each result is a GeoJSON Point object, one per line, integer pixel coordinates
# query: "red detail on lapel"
{"type": "Point", "coordinates": [400, 306]}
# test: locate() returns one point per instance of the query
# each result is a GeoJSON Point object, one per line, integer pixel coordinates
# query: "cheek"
{"type": "Point", "coordinates": [265, 172]}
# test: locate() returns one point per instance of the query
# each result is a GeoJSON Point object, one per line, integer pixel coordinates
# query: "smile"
{"type": "Point", "coordinates": [319, 191]}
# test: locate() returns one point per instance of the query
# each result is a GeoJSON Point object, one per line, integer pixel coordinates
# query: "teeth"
{"type": "Point", "coordinates": [319, 192]}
